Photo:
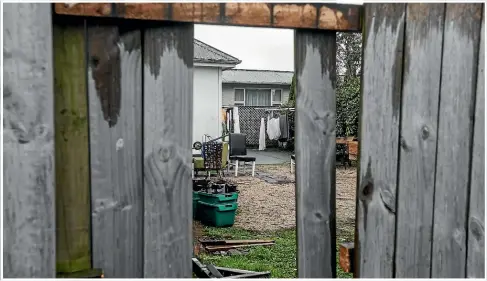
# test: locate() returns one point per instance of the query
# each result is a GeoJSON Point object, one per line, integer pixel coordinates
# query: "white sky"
{"type": "Point", "coordinates": [257, 48]}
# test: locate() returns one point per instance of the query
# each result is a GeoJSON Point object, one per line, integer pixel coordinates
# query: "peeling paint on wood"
{"type": "Point", "coordinates": [168, 115]}
{"type": "Point", "coordinates": [29, 234]}
{"type": "Point", "coordinates": [419, 110]}
{"type": "Point", "coordinates": [73, 223]}
{"type": "Point", "coordinates": [456, 113]}
{"type": "Point", "coordinates": [380, 112]}
{"type": "Point", "coordinates": [315, 55]}
{"type": "Point", "coordinates": [476, 216]}
{"type": "Point", "coordinates": [326, 16]}
{"type": "Point", "coordinates": [116, 151]}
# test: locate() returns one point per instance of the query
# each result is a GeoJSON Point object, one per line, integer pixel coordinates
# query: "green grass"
{"type": "Point", "coordinates": [279, 259]}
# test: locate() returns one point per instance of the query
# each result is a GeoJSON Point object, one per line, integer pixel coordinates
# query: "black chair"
{"type": "Point", "coordinates": [238, 152]}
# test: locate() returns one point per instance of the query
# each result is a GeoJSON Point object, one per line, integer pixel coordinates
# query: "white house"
{"type": "Point", "coordinates": [209, 63]}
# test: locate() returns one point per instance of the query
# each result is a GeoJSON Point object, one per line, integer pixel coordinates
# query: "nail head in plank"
{"type": "Point", "coordinates": [29, 234]}
{"type": "Point", "coordinates": [73, 208]}
{"type": "Point", "coordinates": [379, 138]}
{"type": "Point", "coordinates": [419, 111]}
{"type": "Point", "coordinates": [315, 55]}
{"type": "Point", "coordinates": [455, 132]}
{"type": "Point", "coordinates": [168, 115]}
{"type": "Point", "coordinates": [476, 225]}
{"type": "Point", "coordinates": [115, 97]}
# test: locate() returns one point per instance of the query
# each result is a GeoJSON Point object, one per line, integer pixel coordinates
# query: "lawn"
{"type": "Point", "coordinates": [279, 259]}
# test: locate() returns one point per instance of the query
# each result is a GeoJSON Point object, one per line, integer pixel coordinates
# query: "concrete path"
{"type": "Point", "coordinates": [270, 156]}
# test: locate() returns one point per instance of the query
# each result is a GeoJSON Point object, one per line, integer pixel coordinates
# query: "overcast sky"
{"type": "Point", "coordinates": [257, 48]}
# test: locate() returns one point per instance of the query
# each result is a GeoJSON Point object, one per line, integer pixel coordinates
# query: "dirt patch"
{"type": "Point", "coordinates": [267, 207]}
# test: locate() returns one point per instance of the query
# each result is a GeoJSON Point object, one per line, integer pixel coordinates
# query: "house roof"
{"type": "Point", "coordinates": [209, 54]}
{"type": "Point", "coordinates": [249, 76]}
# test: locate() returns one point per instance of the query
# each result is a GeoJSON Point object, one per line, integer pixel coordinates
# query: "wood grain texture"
{"type": "Point", "coordinates": [315, 56]}
{"type": "Point", "coordinates": [168, 109]}
{"type": "Point", "coordinates": [29, 234]}
{"type": "Point", "coordinates": [476, 217]}
{"type": "Point", "coordinates": [456, 114]}
{"type": "Point", "coordinates": [73, 208]}
{"type": "Point", "coordinates": [115, 80]}
{"type": "Point", "coordinates": [476, 226]}
{"type": "Point", "coordinates": [419, 115]}
{"type": "Point", "coordinates": [379, 138]}
{"type": "Point", "coordinates": [327, 16]}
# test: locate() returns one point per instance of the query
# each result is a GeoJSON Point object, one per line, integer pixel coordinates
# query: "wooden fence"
{"type": "Point", "coordinates": [97, 136]}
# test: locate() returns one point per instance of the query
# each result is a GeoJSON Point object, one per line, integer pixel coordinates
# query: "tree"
{"type": "Point", "coordinates": [291, 101]}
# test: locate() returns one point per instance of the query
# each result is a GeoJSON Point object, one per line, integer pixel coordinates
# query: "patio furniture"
{"type": "Point", "coordinates": [199, 161]}
{"type": "Point", "coordinates": [238, 153]}
{"type": "Point", "coordinates": [293, 162]}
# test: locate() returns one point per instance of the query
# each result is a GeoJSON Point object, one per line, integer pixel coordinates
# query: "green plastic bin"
{"type": "Point", "coordinates": [196, 198]}
{"type": "Point", "coordinates": [218, 215]}
{"type": "Point", "coordinates": [222, 198]}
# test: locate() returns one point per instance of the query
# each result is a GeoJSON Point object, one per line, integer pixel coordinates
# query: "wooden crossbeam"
{"type": "Point", "coordinates": [325, 16]}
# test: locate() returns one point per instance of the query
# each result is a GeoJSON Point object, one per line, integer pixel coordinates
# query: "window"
{"type": "Point", "coordinates": [258, 97]}
{"type": "Point", "coordinates": [239, 97]}
{"type": "Point", "coordinates": [276, 96]}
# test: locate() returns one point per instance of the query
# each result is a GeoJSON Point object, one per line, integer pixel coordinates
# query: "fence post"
{"type": "Point", "coordinates": [29, 234]}
{"type": "Point", "coordinates": [315, 56]}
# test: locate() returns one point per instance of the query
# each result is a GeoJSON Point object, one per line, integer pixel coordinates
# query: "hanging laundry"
{"type": "Point", "coordinates": [273, 130]}
{"type": "Point", "coordinates": [262, 134]}
{"type": "Point", "coordinates": [236, 121]}
{"type": "Point", "coordinates": [284, 128]}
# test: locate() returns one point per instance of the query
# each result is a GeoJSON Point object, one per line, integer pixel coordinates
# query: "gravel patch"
{"type": "Point", "coordinates": [268, 207]}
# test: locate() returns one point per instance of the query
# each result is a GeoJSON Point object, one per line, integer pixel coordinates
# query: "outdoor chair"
{"type": "Point", "coordinates": [293, 162]}
{"type": "Point", "coordinates": [238, 153]}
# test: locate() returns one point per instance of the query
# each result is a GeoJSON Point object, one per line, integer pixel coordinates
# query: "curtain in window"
{"type": "Point", "coordinates": [259, 97]}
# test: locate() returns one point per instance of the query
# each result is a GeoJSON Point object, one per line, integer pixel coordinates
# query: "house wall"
{"type": "Point", "coordinates": [229, 96]}
{"type": "Point", "coordinates": [207, 102]}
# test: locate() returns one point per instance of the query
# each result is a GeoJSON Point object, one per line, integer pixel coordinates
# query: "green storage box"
{"type": "Point", "coordinates": [222, 198]}
{"type": "Point", "coordinates": [196, 198]}
{"type": "Point", "coordinates": [218, 215]}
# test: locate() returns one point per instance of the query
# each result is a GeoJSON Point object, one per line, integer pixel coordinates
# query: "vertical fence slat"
{"type": "Point", "coordinates": [115, 109]}
{"type": "Point", "coordinates": [72, 150]}
{"type": "Point", "coordinates": [315, 56]}
{"type": "Point", "coordinates": [458, 84]}
{"type": "Point", "coordinates": [28, 142]}
{"type": "Point", "coordinates": [379, 140]}
{"type": "Point", "coordinates": [476, 226]}
{"type": "Point", "coordinates": [419, 111]}
{"type": "Point", "coordinates": [168, 115]}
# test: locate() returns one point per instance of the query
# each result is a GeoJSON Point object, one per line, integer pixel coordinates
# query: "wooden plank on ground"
{"type": "Point", "coordinates": [315, 55]}
{"type": "Point", "coordinates": [168, 115]}
{"type": "Point", "coordinates": [419, 115]}
{"type": "Point", "coordinates": [455, 132]}
{"type": "Point", "coordinates": [29, 234]}
{"type": "Point", "coordinates": [327, 16]}
{"type": "Point", "coordinates": [476, 217]}
{"type": "Point", "coordinates": [115, 97]}
{"type": "Point", "coordinates": [73, 208]}
{"type": "Point", "coordinates": [379, 138]}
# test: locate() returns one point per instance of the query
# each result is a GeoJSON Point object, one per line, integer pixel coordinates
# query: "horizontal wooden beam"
{"type": "Point", "coordinates": [336, 17]}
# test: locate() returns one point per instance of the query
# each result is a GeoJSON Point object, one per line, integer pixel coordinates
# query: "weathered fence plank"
{"type": "Point", "coordinates": [168, 109]}
{"type": "Point", "coordinates": [29, 234]}
{"type": "Point", "coordinates": [315, 55]}
{"type": "Point", "coordinates": [115, 97]}
{"type": "Point", "coordinates": [458, 84]}
{"type": "Point", "coordinates": [419, 123]}
{"type": "Point", "coordinates": [476, 218]}
{"type": "Point", "coordinates": [379, 138]}
{"type": "Point", "coordinates": [73, 234]}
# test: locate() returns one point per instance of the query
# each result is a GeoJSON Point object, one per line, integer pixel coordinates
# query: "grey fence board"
{"type": "Point", "coordinates": [168, 109]}
{"type": "Point", "coordinates": [115, 112]}
{"type": "Point", "coordinates": [419, 123]}
{"type": "Point", "coordinates": [379, 137]}
{"type": "Point", "coordinates": [476, 219]}
{"type": "Point", "coordinates": [29, 237]}
{"type": "Point", "coordinates": [315, 55]}
{"type": "Point", "coordinates": [460, 56]}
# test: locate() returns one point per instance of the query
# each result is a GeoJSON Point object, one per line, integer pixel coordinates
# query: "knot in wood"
{"type": "Point", "coordinates": [476, 229]}
{"type": "Point", "coordinates": [166, 153]}
{"type": "Point", "coordinates": [425, 132]}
